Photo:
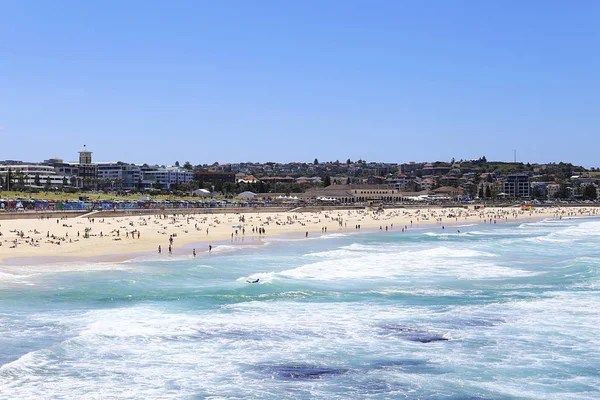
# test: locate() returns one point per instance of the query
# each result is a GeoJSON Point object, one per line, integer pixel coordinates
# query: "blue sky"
{"type": "Point", "coordinates": [229, 81]}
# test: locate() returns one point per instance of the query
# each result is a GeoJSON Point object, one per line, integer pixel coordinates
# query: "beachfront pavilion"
{"type": "Point", "coordinates": [350, 194]}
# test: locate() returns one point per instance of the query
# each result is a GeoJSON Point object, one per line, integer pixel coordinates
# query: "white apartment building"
{"type": "Point", "coordinates": [164, 177]}
{"type": "Point", "coordinates": [30, 171]}
{"type": "Point", "coordinates": [128, 175]}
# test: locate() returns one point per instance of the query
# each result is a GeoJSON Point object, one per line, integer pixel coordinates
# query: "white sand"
{"type": "Point", "coordinates": [119, 235]}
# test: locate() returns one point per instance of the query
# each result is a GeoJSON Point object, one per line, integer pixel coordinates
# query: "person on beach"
{"type": "Point", "coordinates": [209, 248]}
{"type": "Point", "coordinates": [194, 252]}
{"type": "Point", "coordinates": [170, 249]}
{"type": "Point", "coordinates": [159, 249]}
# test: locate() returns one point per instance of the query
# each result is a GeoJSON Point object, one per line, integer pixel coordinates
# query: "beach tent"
{"type": "Point", "coordinates": [248, 195]}
{"type": "Point", "coordinates": [201, 192]}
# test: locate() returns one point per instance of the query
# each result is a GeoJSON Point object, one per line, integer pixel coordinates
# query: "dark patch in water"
{"type": "Point", "coordinates": [414, 335]}
{"type": "Point", "coordinates": [302, 372]}
{"type": "Point", "coordinates": [399, 363]}
{"type": "Point", "coordinates": [478, 322]}
{"type": "Point", "coordinates": [471, 398]}
{"type": "Point", "coordinates": [407, 366]}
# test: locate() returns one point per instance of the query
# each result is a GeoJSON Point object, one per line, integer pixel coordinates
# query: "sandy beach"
{"type": "Point", "coordinates": [128, 236]}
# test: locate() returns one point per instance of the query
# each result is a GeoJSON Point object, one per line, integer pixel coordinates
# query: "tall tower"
{"type": "Point", "coordinates": [85, 157]}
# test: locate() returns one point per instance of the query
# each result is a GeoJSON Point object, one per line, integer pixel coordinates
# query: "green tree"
{"type": "Point", "coordinates": [327, 181]}
{"type": "Point", "coordinates": [188, 166]}
{"type": "Point", "coordinates": [36, 180]}
{"type": "Point", "coordinates": [480, 193]}
{"type": "Point", "coordinates": [177, 163]}
{"type": "Point", "coordinates": [21, 178]}
{"type": "Point", "coordinates": [590, 192]}
{"type": "Point", "coordinates": [64, 181]}
{"type": "Point", "coordinates": [316, 162]}
{"type": "Point", "coordinates": [8, 178]}
{"type": "Point", "coordinates": [230, 188]}
{"type": "Point", "coordinates": [348, 161]}
{"type": "Point", "coordinates": [48, 183]}
{"type": "Point", "coordinates": [537, 193]}
{"type": "Point", "coordinates": [562, 193]}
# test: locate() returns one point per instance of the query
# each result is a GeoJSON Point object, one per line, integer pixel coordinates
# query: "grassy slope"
{"type": "Point", "coordinates": [92, 196]}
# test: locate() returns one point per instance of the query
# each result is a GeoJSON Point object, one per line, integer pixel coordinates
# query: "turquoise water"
{"type": "Point", "coordinates": [495, 312]}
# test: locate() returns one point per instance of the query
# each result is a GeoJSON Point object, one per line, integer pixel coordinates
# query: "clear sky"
{"type": "Point", "coordinates": [228, 81]}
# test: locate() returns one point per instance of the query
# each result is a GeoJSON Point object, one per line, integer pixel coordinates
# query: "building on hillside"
{"type": "Point", "coordinates": [248, 179]}
{"type": "Point", "coordinates": [540, 189]}
{"type": "Point", "coordinates": [411, 167]}
{"type": "Point", "coordinates": [213, 177]}
{"type": "Point", "coordinates": [277, 179]}
{"type": "Point", "coordinates": [375, 180]}
{"type": "Point", "coordinates": [426, 184]}
{"type": "Point", "coordinates": [401, 183]}
{"type": "Point", "coordinates": [490, 189]}
{"type": "Point", "coordinates": [311, 179]}
{"type": "Point", "coordinates": [552, 189]}
{"type": "Point", "coordinates": [517, 186]}
{"type": "Point", "coordinates": [239, 176]}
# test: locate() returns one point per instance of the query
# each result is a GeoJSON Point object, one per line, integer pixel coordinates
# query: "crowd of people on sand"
{"type": "Point", "coordinates": [87, 232]}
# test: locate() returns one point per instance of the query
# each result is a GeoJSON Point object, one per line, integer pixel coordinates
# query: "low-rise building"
{"type": "Point", "coordinates": [28, 174]}
{"type": "Point", "coordinates": [120, 174]}
{"type": "Point", "coordinates": [160, 177]}
{"type": "Point", "coordinates": [552, 189]}
{"type": "Point", "coordinates": [213, 177]}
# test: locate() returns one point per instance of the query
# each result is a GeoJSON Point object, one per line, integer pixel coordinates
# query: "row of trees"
{"type": "Point", "coordinates": [231, 188]}
{"type": "Point", "coordinates": [17, 180]}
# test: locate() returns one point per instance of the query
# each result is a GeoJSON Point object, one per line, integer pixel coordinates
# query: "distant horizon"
{"type": "Point", "coordinates": [342, 161]}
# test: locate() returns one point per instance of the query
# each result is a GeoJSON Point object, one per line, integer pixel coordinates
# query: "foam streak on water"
{"type": "Point", "coordinates": [492, 312]}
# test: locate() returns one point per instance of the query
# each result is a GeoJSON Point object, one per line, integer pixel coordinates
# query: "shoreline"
{"type": "Point", "coordinates": [105, 250]}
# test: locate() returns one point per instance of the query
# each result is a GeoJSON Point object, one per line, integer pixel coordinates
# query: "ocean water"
{"type": "Point", "coordinates": [495, 312]}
